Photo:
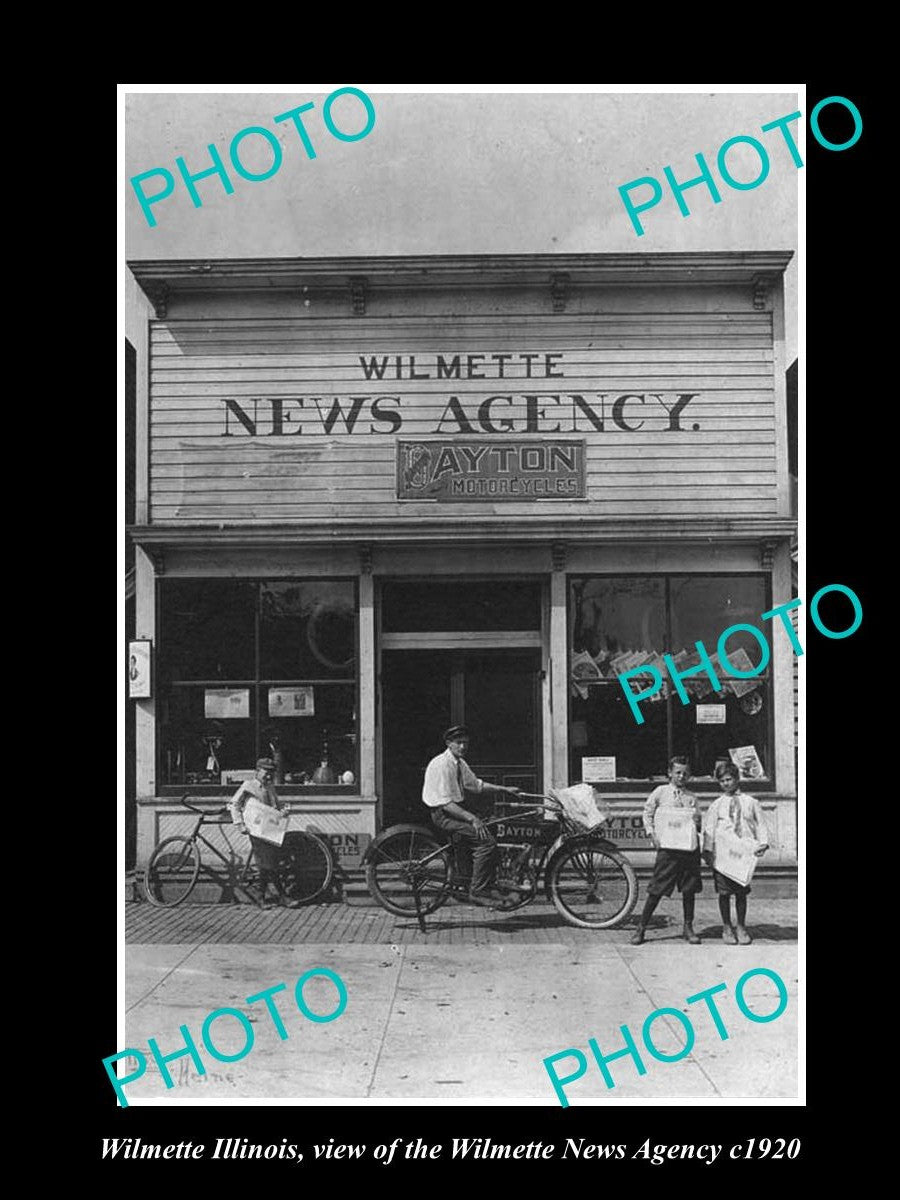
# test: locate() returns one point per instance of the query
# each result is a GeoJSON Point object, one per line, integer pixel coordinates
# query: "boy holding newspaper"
{"type": "Point", "coordinates": [257, 812]}
{"type": "Point", "coordinates": [734, 837]}
{"type": "Point", "coordinates": [672, 821]}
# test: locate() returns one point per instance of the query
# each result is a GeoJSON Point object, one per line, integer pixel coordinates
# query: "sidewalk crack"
{"type": "Point", "coordinates": [160, 982]}
{"type": "Point", "coordinates": [668, 1022]}
{"type": "Point", "coordinates": [387, 1023]}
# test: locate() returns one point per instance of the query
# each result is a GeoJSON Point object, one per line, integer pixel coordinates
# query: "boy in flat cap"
{"type": "Point", "coordinates": [267, 855]}
{"type": "Point", "coordinates": [447, 778]}
{"type": "Point", "coordinates": [673, 868]}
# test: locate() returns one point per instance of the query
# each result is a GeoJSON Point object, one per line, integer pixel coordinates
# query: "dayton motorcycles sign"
{"type": "Point", "coordinates": [455, 470]}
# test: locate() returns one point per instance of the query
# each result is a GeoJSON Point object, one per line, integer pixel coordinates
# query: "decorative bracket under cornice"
{"type": "Point", "coordinates": [365, 559]}
{"type": "Point", "coordinates": [359, 288]}
{"type": "Point", "coordinates": [767, 555]}
{"type": "Point", "coordinates": [558, 556]}
{"type": "Point", "coordinates": [559, 292]}
{"type": "Point", "coordinates": [762, 285]}
{"type": "Point", "coordinates": [158, 294]}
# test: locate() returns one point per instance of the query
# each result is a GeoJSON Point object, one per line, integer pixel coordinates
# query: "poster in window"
{"type": "Point", "coordinates": [598, 770]}
{"type": "Point", "coordinates": [139, 670]}
{"type": "Point", "coordinates": [292, 702]}
{"type": "Point", "coordinates": [226, 703]}
{"type": "Point", "coordinates": [747, 762]}
{"type": "Point", "coordinates": [740, 661]}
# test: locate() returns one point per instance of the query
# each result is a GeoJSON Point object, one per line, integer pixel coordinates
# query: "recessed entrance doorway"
{"type": "Point", "coordinates": [477, 663]}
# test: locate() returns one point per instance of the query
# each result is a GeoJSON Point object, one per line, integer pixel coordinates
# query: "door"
{"type": "Point", "coordinates": [494, 692]}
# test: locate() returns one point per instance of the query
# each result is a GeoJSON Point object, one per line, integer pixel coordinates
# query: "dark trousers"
{"type": "Point", "coordinates": [268, 860]}
{"type": "Point", "coordinates": [484, 853]}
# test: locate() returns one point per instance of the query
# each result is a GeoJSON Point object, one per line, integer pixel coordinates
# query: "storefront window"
{"type": "Point", "coordinates": [307, 630]}
{"type": "Point", "coordinates": [252, 669]}
{"type": "Point", "coordinates": [617, 624]}
{"type": "Point", "coordinates": [205, 628]}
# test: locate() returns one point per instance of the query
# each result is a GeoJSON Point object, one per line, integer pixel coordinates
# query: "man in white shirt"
{"type": "Point", "coordinates": [447, 778]}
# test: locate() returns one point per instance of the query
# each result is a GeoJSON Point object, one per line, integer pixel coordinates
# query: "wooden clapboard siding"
{"type": "Point", "coordinates": [726, 466]}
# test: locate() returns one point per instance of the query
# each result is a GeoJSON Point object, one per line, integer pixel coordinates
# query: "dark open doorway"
{"type": "Point", "coordinates": [496, 693]}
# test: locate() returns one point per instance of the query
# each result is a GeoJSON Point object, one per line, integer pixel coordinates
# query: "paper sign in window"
{"type": "Point", "coordinates": [598, 770]}
{"type": "Point", "coordinates": [291, 702]}
{"type": "Point", "coordinates": [226, 703]}
{"type": "Point", "coordinates": [710, 714]}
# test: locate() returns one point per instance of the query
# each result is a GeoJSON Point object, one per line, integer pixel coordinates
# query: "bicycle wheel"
{"type": "Point", "coordinates": [591, 885]}
{"type": "Point", "coordinates": [400, 880]}
{"type": "Point", "coordinates": [172, 871]}
{"type": "Point", "coordinates": [306, 867]}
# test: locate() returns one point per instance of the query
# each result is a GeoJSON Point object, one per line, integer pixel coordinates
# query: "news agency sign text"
{"type": "Point", "coordinates": [453, 470]}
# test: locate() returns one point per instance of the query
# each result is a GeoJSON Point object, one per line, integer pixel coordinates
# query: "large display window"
{"type": "Point", "coordinates": [248, 669]}
{"type": "Point", "coordinates": [623, 622]}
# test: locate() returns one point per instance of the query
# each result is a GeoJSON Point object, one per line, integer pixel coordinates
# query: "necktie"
{"type": "Point", "coordinates": [734, 811]}
{"type": "Point", "coordinates": [459, 779]}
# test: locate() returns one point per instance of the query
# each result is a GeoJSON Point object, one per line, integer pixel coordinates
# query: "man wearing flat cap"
{"type": "Point", "coordinates": [447, 778]}
{"type": "Point", "coordinates": [267, 855]}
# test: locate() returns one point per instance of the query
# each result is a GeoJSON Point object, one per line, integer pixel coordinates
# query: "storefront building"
{"type": "Point", "coordinates": [376, 497]}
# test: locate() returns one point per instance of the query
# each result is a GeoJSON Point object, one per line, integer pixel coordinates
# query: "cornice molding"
{"type": "Point", "coordinates": [523, 530]}
{"type": "Point", "coordinates": [417, 272]}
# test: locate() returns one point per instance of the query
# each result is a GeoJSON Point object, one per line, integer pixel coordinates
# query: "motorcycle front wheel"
{"type": "Point", "coordinates": [591, 885]}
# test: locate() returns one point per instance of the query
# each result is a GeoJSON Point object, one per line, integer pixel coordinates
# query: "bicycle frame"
{"type": "Point", "coordinates": [238, 867]}
{"type": "Point", "coordinates": [240, 870]}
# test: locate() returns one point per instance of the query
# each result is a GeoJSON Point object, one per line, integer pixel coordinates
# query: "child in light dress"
{"type": "Point", "coordinates": [741, 815]}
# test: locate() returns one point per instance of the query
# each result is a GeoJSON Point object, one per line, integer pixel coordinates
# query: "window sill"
{"type": "Point", "coordinates": [702, 785]}
{"type": "Point", "coordinates": [218, 792]}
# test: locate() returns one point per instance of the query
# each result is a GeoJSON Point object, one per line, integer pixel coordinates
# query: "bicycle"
{"type": "Point", "coordinates": [410, 872]}
{"type": "Point", "coordinates": [305, 871]}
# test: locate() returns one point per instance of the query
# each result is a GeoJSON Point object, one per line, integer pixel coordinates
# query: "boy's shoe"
{"type": "Point", "coordinates": [487, 898]}
{"type": "Point", "coordinates": [728, 935]}
{"type": "Point", "coordinates": [637, 938]}
{"type": "Point", "coordinates": [743, 937]}
{"type": "Point", "coordinates": [689, 936]}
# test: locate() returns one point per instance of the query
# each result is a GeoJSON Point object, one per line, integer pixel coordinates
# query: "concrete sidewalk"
{"type": "Point", "coordinates": [441, 1020]}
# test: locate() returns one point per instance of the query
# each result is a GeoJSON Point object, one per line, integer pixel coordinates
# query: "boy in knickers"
{"type": "Point", "coordinates": [673, 868]}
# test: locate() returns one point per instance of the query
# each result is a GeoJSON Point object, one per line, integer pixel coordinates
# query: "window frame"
{"type": "Point", "coordinates": [256, 685]}
{"type": "Point", "coordinates": [767, 785]}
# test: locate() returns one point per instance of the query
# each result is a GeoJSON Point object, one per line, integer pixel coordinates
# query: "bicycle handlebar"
{"type": "Point", "coordinates": [219, 812]}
